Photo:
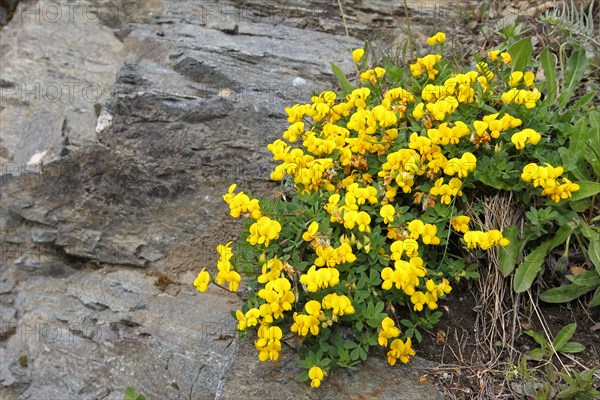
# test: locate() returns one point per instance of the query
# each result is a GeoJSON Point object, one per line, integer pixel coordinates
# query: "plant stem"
{"type": "Point", "coordinates": [347, 34]}
{"type": "Point", "coordinates": [410, 40]}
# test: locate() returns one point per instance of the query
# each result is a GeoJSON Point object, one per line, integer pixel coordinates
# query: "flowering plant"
{"type": "Point", "coordinates": [375, 232]}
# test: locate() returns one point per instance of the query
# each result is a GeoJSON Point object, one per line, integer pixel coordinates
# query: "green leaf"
{"type": "Point", "coordinates": [129, 394]}
{"type": "Point", "coordinates": [595, 302]}
{"type": "Point", "coordinates": [586, 189]}
{"type": "Point", "coordinates": [594, 252]}
{"type": "Point", "coordinates": [520, 54]}
{"type": "Point", "coordinates": [538, 337]}
{"type": "Point", "coordinates": [563, 336]}
{"type": "Point", "coordinates": [561, 235]}
{"type": "Point", "coordinates": [584, 100]}
{"type": "Point", "coordinates": [303, 376]}
{"type": "Point", "coordinates": [529, 268]}
{"type": "Point", "coordinates": [564, 294]}
{"type": "Point", "coordinates": [496, 182]}
{"type": "Point", "coordinates": [548, 61]}
{"type": "Point", "coordinates": [588, 278]}
{"type": "Point", "coordinates": [537, 354]}
{"type": "Point", "coordinates": [576, 67]}
{"type": "Point", "coordinates": [345, 84]}
{"type": "Point", "coordinates": [580, 205]}
{"type": "Point", "coordinates": [508, 255]}
{"type": "Point", "coordinates": [572, 347]}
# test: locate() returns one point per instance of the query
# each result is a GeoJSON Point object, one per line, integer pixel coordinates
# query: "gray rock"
{"type": "Point", "coordinates": [56, 64]}
{"type": "Point", "coordinates": [248, 378]}
{"type": "Point", "coordinates": [190, 106]}
{"type": "Point", "coordinates": [43, 235]}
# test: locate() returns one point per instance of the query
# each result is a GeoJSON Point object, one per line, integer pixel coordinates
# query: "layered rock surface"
{"type": "Point", "coordinates": [110, 207]}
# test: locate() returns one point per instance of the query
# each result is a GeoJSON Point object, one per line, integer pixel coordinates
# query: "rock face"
{"type": "Point", "coordinates": [51, 112]}
{"type": "Point", "coordinates": [249, 379]}
{"type": "Point", "coordinates": [100, 245]}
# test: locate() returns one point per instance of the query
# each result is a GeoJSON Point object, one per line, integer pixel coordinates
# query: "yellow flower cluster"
{"type": "Point", "coordinates": [309, 322]}
{"type": "Point", "coordinates": [504, 56]}
{"type": "Point", "coordinates": [548, 178]}
{"type": "Point", "coordinates": [240, 203]}
{"type": "Point", "coordinates": [279, 298]}
{"type": "Point", "coordinates": [316, 375]}
{"type": "Point", "coordinates": [338, 304]}
{"type": "Point", "coordinates": [522, 96]}
{"type": "Point", "coordinates": [263, 231]}
{"type": "Point", "coordinates": [202, 280]}
{"type": "Point", "coordinates": [268, 342]}
{"type": "Point", "coordinates": [446, 191]}
{"type": "Point", "coordinates": [485, 240]}
{"type": "Point", "coordinates": [387, 331]}
{"type": "Point", "coordinates": [438, 38]}
{"type": "Point", "coordinates": [321, 278]}
{"type": "Point", "coordinates": [404, 276]}
{"type": "Point", "coordinates": [518, 77]}
{"type": "Point", "coordinates": [491, 127]}
{"type": "Point", "coordinates": [372, 75]}
{"type": "Point", "coordinates": [226, 272]}
{"type": "Point", "coordinates": [250, 318]}
{"type": "Point", "coordinates": [460, 223]}
{"type": "Point", "coordinates": [446, 134]}
{"type": "Point", "coordinates": [426, 65]}
{"type": "Point", "coordinates": [426, 232]}
{"type": "Point", "coordinates": [271, 270]}
{"type": "Point", "coordinates": [461, 166]}
{"type": "Point", "coordinates": [431, 296]}
{"type": "Point", "coordinates": [526, 136]}
{"type": "Point", "coordinates": [400, 351]}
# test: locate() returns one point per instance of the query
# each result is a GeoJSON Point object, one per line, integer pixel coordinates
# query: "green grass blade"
{"type": "Point", "coordinates": [345, 84]}
{"type": "Point", "coordinates": [548, 61]}
{"type": "Point", "coordinates": [520, 54]}
{"type": "Point", "coordinates": [576, 67]}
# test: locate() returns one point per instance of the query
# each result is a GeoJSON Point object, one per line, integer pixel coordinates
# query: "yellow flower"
{"type": "Point", "coordinates": [321, 278]}
{"type": "Point", "coordinates": [263, 231]}
{"type": "Point", "coordinates": [473, 238]}
{"type": "Point", "coordinates": [363, 220]}
{"type": "Point", "coordinates": [305, 323]}
{"type": "Point", "coordinates": [269, 342]}
{"type": "Point", "coordinates": [316, 374]}
{"type": "Point", "coordinates": [339, 304]}
{"type": "Point", "coordinates": [277, 293]}
{"type": "Point", "coordinates": [418, 299]}
{"type": "Point", "coordinates": [530, 172]}
{"type": "Point", "coordinates": [248, 319]}
{"type": "Point", "coordinates": [438, 38]}
{"type": "Point", "coordinates": [460, 223]}
{"type": "Point", "coordinates": [400, 351]}
{"type": "Point", "coordinates": [387, 331]}
{"type": "Point", "coordinates": [506, 59]}
{"type": "Point", "coordinates": [515, 78]}
{"type": "Point", "coordinates": [311, 233]}
{"type": "Point", "coordinates": [271, 270]}
{"type": "Point", "coordinates": [313, 308]}
{"type": "Point", "coordinates": [418, 112]}
{"type": "Point", "coordinates": [521, 138]}
{"type": "Point", "coordinates": [202, 280]}
{"type": "Point", "coordinates": [357, 54]}
{"type": "Point", "coordinates": [528, 78]}
{"type": "Point", "coordinates": [387, 212]}
{"type": "Point", "coordinates": [493, 55]}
